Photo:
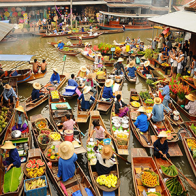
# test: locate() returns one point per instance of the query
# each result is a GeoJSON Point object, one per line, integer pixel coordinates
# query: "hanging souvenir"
{"type": "Point", "coordinates": [18, 9]}
{"type": "Point", "coordinates": [13, 9]}
{"type": "Point", "coordinates": [19, 14]}
{"type": "Point", "coordinates": [5, 9]}
{"type": "Point", "coordinates": [7, 14]}
{"type": "Point", "coordinates": [15, 14]}
{"type": "Point", "coordinates": [9, 9]}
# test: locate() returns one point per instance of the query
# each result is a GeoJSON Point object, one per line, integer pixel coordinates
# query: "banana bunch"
{"type": "Point", "coordinates": [34, 184]}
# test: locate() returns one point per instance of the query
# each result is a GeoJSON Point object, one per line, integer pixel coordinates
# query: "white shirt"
{"type": "Point", "coordinates": [108, 162]}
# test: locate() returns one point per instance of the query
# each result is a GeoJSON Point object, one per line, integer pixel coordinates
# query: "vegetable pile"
{"type": "Point", "coordinates": [149, 178]}
{"type": "Point", "coordinates": [145, 95]}
{"type": "Point", "coordinates": [149, 101]}
{"type": "Point", "coordinates": [193, 127]}
{"type": "Point", "coordinates": [108, 181]}
{"type": "Point", "coordinates": [34, 184]}
{"type": "Point", "coordinates": [170, 171]}
{"type": "Point", "coordinates": [150, 82]}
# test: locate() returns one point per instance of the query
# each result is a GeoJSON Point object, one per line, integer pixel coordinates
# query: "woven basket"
{"type": "Point", "coordinates": [43, 146]}
{"type": "Point", "coordinates": [46, 129]}
{"type": "Point", "coordinates": [153, 174]}
{"type": "Point", "coordinates": [37, 122]}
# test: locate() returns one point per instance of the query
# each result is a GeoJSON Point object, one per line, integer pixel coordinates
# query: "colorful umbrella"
{"type": "Point", "coordinates": [7, 14]}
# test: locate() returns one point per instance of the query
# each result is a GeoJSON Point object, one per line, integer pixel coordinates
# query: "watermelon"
{"type": "Point", "coordinates": [41, 164]}
{"type": "Point", "coordinates": [31, 161]}
{"type": "Point", "coordinates": [34, 161]}
{"type": "Point", "coordinates": [37, 166]}
{"type": "Point", "coordinates": [48, 155]}
{"type": "Point", "coordinates": [33, 166]}
{"type": "Point", "coordinates": [39, 161]}
{"type": "Point", "coordinates": [29, 165]}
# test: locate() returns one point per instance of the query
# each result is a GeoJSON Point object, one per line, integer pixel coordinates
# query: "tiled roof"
{"type": "Point", "coordinates": [191, 6]}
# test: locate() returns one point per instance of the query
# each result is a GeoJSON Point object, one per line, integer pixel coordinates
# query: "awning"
{"type": "Point", "coordinates": [183, 20]}
{"type": "Point", "coordinates": [8, 57]}
{"type": "Point", "coordinates": [5, 29]}
{"type": "Point", "coordinates": [128, 15]}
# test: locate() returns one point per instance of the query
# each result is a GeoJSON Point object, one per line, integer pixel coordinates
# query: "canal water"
{"type": "Point", "coordinates": [42, 50]}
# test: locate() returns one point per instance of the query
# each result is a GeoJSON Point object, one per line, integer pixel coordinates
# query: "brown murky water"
{"type": "Point", "coordinates": [38, 46]}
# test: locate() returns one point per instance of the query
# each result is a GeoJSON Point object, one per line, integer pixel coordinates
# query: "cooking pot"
{"type": "Point", "coordinates": [16, 134]}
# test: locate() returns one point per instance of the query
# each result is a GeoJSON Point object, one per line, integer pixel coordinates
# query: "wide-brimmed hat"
{"type": "Point", "coordinates": [86, 89]}
{"type": "Point", "coordinates": [8, 145]}
{"type": "Point", "coordinates": [36, 85]}
{"type": "Point", "coordinates": [20, 109]}
{"type": "Point", "coordinates": [157, 100]}
{"type": "Point", "coordinates": [120, 60]}
{"type": "Point", "coordinates": [107, 152]}
{"type": "Point", "coordinates": [7, 86]}
{"type": "Point", "coordinates": [89, 76]}
{"type": "Point", "coordinates": [66, 150]}
{"type": "Point", "coordinates": [141, 109]}
{"type": "Point", "coordinates": [131, 64]}
{"type": "Point", "coordinates": [99, 55]}
{"type": "Point", "coordinates": [83, 69]}
{"type": "Point", "coordinates": [86, 43]}
{"type": "Point", "coordinates": [60, 40]}
{"type": "Point", "coordinates": [55, 69]}
{"type": "Point", "coordinates": [109, 82]}
{"type": "Point", "coordinates": [147, 63]}
{"type": "Point", "coordinates": [162, 134]}
{"type": "Point", "coordinates": [166, 82]}
{"type": "Point", "coordinates": [190, 97]}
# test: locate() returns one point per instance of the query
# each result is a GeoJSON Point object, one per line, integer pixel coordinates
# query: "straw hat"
{"type": "Point", "coordinates": [55, 70]}
{"type": "Point", "coordinates": [86, 43]}
{"type": "Point", "coordinates": [141, 109]}
{"type": "Point", "coordinates": [109, 82]}
{"type": "Point", "coordinates": [66, 150]}
{"type": "Point", "coordinates": [107, 152]}
{"type": "Point", "coordinates": [147, 63]}
{"type": "Point", "coordinates": [8, 145]}
{"type": "Point", "coordinates": [80, 37]}
{"type": "Point", "coordinates": [86, 89]}
{"type": "Point", "coordinates": [36, 85]}
{"type": "Point", "coordinates": [157, 100]}
{"type": "Point", "coordinates": [99, 55]}
{"type": "Point", "coordinates": [83, 69]}
{"type": "Point", "coordinates": [166, 81]}
{"type": "Point", "coordinates": [89, 76]}
{"type": "Point", "coordinates": [162, 134]}
{"type": "Point", "coordinates": [7, 86]}
{"type": "Point", "coordinates": [120, 60]}
{"type": "Point", "coordinates": [190, 97]}
{"type": "Point", "coordinates": [20, 109]}
{"type": "Point", "coordinates": [60, 40]}
{"type": "Point", "coordinates": [132, 64]}
{"type": "Point", "coordinates": [67, 25]}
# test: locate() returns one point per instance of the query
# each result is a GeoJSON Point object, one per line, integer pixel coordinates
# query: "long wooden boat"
{"type": "Point", "coordinates": [109, 63]}
{"type": "Point", "coordinates": [141, 162]}
{"type": "Point", "coordinates": [31, 105]}
{"type": "Point", "coordinates": [160, 162]}
{"type": "Point", "coordinates": [84, 37]}
{"type": "Point", "coordinates": [72, 45]}
{"type": "Point", "coordinates": [188, 125]}
{"type": "Point", "coordinates": [55, 35]}
{"type": "Point", "coordinates": [142, 76]}
{"type": "Point", "coordinates": [69, 52]}
{"type": "Point", "coordinates": [110, 31]}
{"type": "Point", "coordinates": [88, 57]}
{"type": "Point", "coordinates": [131, 80]}
{"type": "Point", "coordinates": [94, 115]}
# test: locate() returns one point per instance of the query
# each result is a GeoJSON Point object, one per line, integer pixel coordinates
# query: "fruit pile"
{"type": "Point", "coordinates": [108, 181]}
{"type": "Point", "coordinates": [45, 131]}
{"type": "Point", "coordinates": [191, 143]}
{"type": "Point", "coordinates": [117, 50]}
{"type": "Point", "coordinates": [150, 178]}
{"type": "Point", "coordinates": [3, 117]}
{"type": "Point", "coordinates": [170, 171]}
{"type": "Point", "coordinates": [135, 98]}
{"type": "Point", "coordinates": [44, 139]}
{"type": "Point", "coordinates": [41, 124]}
{"type": "Point", "coordinates": [55, 136]}
{"type": "Point", "coordinates": [51, 154]}
{"type": "Point", "coordinates": [135, 104]}
{"type": "Point", "coordinates": [193, 127]}
{"type": "Point", "coordinates": [35, 168]}
{"type": "Point", "coordinates": [165, 64]}
{"type": "Point", "coordinates": [55, 95]}
{"type": "Point", "coordinates": [34, 184]}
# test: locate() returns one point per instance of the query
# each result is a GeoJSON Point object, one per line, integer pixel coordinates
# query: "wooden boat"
{"type": "Point", "coordinates": [129, 79]}
{"type": "Point", "coordinates": [72, 46]}
{"type": "Point", "coordinates": [55, 35]}
{"type": "Point", "coordinates": [109, 63]}
{"type": "Point", "coordinates": [110, 31]}
{"type": "Point", "coordinates": [101, 79]}
{"type": "Point", "coordinates": [94, 115]}
{"type": "Point", "coordinates": [31, 105]}
{"type": "Point", "coordinates": [188, 125]}
{"type": "Point", "coordinates": [79, 33]}
{"type": "Point", "coordinates": [70, 52]}
{"type": "Point", "coordinates": [141, 162]}
{"type": "Point", "coordinates": [84, 37]}
{"type": "Point", "coordinates": [142, 76]}
{"type": "Point", "coordinates": [88, 57]}
{"type": "Point", "coordinates": [165, 163]}
{"type": "Point", "coordinates": [103, 105]}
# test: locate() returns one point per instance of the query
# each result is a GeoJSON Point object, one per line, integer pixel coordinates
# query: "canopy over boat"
{"type": "Point", "coordinates": [13, 57]}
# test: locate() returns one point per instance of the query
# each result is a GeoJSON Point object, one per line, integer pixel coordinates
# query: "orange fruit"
{"type": "Point", "coordinates": [50, 150]}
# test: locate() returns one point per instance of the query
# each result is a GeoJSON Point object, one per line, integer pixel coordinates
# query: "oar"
{"type": "Point", "coordinates": [81, 187]}
{"type": "Point", "coordinates": [116, 154]}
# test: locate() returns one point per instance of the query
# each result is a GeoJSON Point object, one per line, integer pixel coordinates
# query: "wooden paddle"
{"type": "Point", "coordinates": [81, 187]}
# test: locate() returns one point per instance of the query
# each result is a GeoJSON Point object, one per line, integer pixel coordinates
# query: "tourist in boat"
{"type": "Point", "coordinates": [161, 146]}
{"type": "Point", "coordinates": [105, 160]}
{"type": "Point", "coordinates": [91, 32]}
{"type": "Point", "coordinates": [80, 41]}
{"type": "Point", "coordinates": [69, 123]}
{"type": "Point", "coordinates": [60, 45]}
{"type": "Point", "coordinates": [119, 68]}
{"type": "Point", "coordinates": [36, 95]}
{"type": "Point", "coordinates": [55, 31]}
{"type": "Point", "coordinates": [191, 106]}
{"type": "Point", "coordinates": [20, 120]}
{"type": "Point", "coordinates": [66, 163]}
{"type": "Point", "coordinates": [8, 95]}
{"type": "Point", "coordinates": [90, 27]}
{"type": "Point", "coordinates": [91, 83]}
{"type": "Point", "coordinates": [14, 159]}
{"type": "Point", "coordinates": [83, 72]}
{"type": "Point", "coordinates": [36, 66]}
{"type": "Point", "coordinates": [131, 70]}
{"type": "Point", "coordinates": [141, 46]}
{"type": "Point", "coordinates": [121, 108]}
{"type": "Point", "coordinates": [98, 59]}
{"type": "Point", "coordinates": [100, 132]}
{"type": "Point", "coordinates": [87, 99]}
{"type": "Point", "coordinates": [72, 82]}
{"type": "Point", "coordinates": [82, 29]}
{"type": "Point", "coordinates": [43, 66]}
{"type": "Point", "coordinates": [107, 91]}
{"type": "Point", "coordinates": [128, 40]}
{"type": "Point", "coordinates": [55, 78]}
{"type": "Point", "coordinates": [139, 41]}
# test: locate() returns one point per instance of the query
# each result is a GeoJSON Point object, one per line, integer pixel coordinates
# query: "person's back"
{"type": "Point", "coordinates": [107, 93]}
{"type": "Point", "coordinates": [35, 94]}
{"type": "Point", "coordinates": [131, 71]}
{"type": "Point", "coordinates": [72, 82]}
{"type": "Point", "coordinates": [69, 124]}
{"type": "Point", "coordinates": [43, 66]}
{"type": "Point", "coordinates": [141, 123]}
{"type": "Point", "coordinates": [158, 114]}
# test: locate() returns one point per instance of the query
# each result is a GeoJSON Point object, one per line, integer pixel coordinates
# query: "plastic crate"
{"type": "Point", "coordinates": [36, 192]}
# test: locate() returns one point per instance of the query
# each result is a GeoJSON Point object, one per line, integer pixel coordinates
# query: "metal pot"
{"type": "Point", "coordinates": [16, 134]}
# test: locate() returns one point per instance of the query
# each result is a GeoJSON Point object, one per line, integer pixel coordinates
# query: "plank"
{"type": "Point", "coordinates": [94, 113]}
{"type": "Point", "coordinates": [138, 152]}
{"type": "Point", "coordinates": [35, 152]}
{"type": "Point", "coordinates": [123, 151]}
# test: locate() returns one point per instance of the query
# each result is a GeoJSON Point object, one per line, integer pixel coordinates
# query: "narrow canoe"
{"type": "Point", "coordinates": [30, 105]}
{"type": "Point", "coordinates": [141, 161]}
{"type": "Point", "coordinates": [109, 63]}
{"type": "Point", "coordinates": [55, 35]}
{"type": "Point", "coordinates": [88, 57]}
{"type": "Point", "coordinates": [83, 37]}
{"type": "Point", "coordinates": [142, 76]}
{"type": "Point", "coordinates": [72, 46]}
{"type": "Point", "coordinates": [188, 124]}
{"type": "Point", "coordinates": [129, 79]}
{"type": "Point", "coordinates": [92, 170]}
{"type": "Point", "coordinates": [109, 31]}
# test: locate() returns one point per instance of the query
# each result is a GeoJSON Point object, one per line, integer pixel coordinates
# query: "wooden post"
{"type": "Point", "coordinates": [64, 59]}
{"type": "Point", "coordinates": [71, 12]}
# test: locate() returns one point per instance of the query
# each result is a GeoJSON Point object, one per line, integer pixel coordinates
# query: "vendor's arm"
{"type": "Point", "coordinates": [51, 78]}
{"type": "Point", "coordinates": [15, 158]}
{"type": "Point", "coordinates": [136, 122]}
{"type": "Point", "coordinates": [5, 97]}
{"type": "Point", "coordinates": [14, 93]}
{"type": "Point", "coordinates": [123, 104]}
{"type": "Point", "coordinates": [155, 145]}
{"type": "Point", "coordinates": [95, 82]}
{"type": "Point", "coordinates": [165, 91]}
{"type": "Point", "coordinates": [91, 133]}
{"type": "Point", "coordinates": [117, 107]}
{"type": "Point", "coordinates": [92, 98]}
{"type": "Point", "coordinates": [187, 107]}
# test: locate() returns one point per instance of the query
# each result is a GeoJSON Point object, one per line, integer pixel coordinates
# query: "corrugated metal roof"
{"type": "Point", "coordinates": [15, 57]}
{"type": "Point", "coordinates": [181, 20]}
{"type": "Point", "coordinates": [5, 29]}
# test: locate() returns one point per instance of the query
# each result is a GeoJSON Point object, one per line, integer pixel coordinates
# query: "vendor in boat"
{"type": "Point", "coordinates": [131, 69]}
{"type": "Point", "coordinates": [66, 163]}
{"type": "Point", "coordinates": [80, 41]}
{"type": "Point", "coordinates": [100, 132]}
{"type": "Point", "coordinates": [55, 31]}
{"type": "Point", "coordinates": [36, 95]}
{"type": "Point", "coordinates": [82, 29]}
{"type": "Point", "coordinates": [87, 99]}
{"type": "Point", "coordinates": [119, 68]}
{"type": "Point", "coordinates": [43, 66]}
{"type": "Point", "coordinates": [128, 40]}
{"type": "Point", "coordinates": [146, 68]}
{"type": "Point", "coordinates": [98, 59]}
{"type": "Point", "coordinates": [83, 72]}
{"type": "Point", "coordinates": [55, 78]}
{"type": "Point", "coordinates": [105, 160]}
{"type": "Point", "coordinates": [141, 46]}
{"type": "Point", "coordinates": [91, 32]}
{"type": "Point", "coordinates": [107, 91]}
{"type": "Point", "coordinates": [14, 159]}
{"type": "Point", "coordinates": [60, 45]}
{"type": "Point", "coordinates": [191, 106]}
{"type": "Point", "coordinates": [69, 123]}
{"type": "Point", "coordinates": [8, 94]}
{"type": "Point", "coordinates": [121, 108]}
{"type": "Point", "coordinates": [36, 66]}
{"type": "Point", "coordinates": [72, 82]}
{"type": "Point", "coordinates": [161, 146]}
{"type": "Point", "coordinates": [20, 120]}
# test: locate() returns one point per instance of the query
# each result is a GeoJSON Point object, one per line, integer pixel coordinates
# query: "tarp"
{"type": "Point", "coordinates": [8, 57]}
{"type": "Point", "coordinates": [5, 29]}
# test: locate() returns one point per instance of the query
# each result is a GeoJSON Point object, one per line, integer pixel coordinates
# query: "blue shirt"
{"type": "Point", "coordinates": [61, 45]}
{"type": "Point", "coordinates": [14, 158]}
{"type": "Point", "coordinates": [162, 147]}
{"type": "Point", "coordinates": [107, 93]}
{"type": "Point", "coordinates": [157, 112]}
{"type": "Point", "coordinates": [72, 82]}
{"type": "Point", "coordinates": [131, 71]}
{"type": "Point", "coordinates": [165, 92]}
{"type": "Point", "coordinates": [35, 94]}
{"type": "Point", "coordinates": [7, 93]}
{"type": "Point", "coordinates": [85, 104]}
{"type": "Point", "coordinates": [66, 168]}
{"type": "Point", "coordinates": [55, 77]}
{"type": "Point", "coordinates": [142, 123]}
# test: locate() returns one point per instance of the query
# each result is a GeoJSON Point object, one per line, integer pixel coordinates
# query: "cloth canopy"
{"type": "Point", "coordinates": [5, 29]}
{"type": "Point", "coordinates": [8, 57]}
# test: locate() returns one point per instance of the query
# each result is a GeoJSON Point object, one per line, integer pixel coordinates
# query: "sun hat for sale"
{"type": "Point", "coordinates": [86, 89]}
{"type": "Point", "coordinates": [109, 82]}
{"type": "Point", "coordinates": [83, 69]}
{"type": "Point", "coordinates": [66, 150]}
{"type": "Point", "coordinates": [36, 86]}
{"type": "Point", "coordinates": [157, 100]}
{"type": "Point", "coordinates": [141, 109]}
{"type": "Point", "coordinates": [107, 152]}
{"type": "Point", "coordinates": [20, 109]}
{"type": "Point", "coordinates": [7, 86]}
{"type": "Point", "coordinates": [162, 134]}
{"type": "Point", "coordinates": [120, 60]}
{"type": "Point", "coordinates": [8, 145]}
{"type": "Point", "coordinates": [190, 97]}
